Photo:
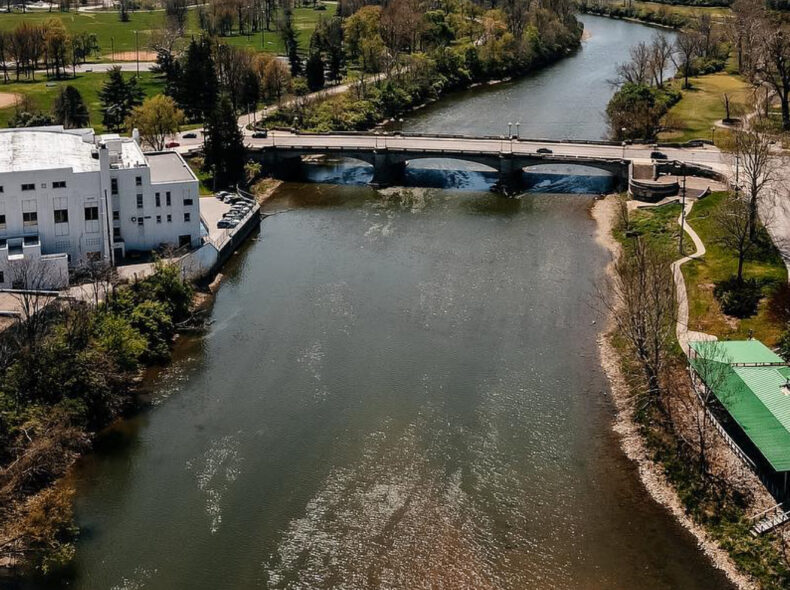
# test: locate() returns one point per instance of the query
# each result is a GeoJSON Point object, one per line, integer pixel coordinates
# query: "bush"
{"type": "Point", "coordinates": [738, 298]}
{"type": "Point", "coordinates": [779, 304]}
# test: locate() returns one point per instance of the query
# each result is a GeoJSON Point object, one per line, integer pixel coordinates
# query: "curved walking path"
{"type": "Point", "coordinates": [684, 335]}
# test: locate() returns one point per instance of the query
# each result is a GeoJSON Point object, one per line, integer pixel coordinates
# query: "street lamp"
{"type": "Point", "coordinates": [518, 133]}
{"type": "Point", "coordinates": [713, 135]}
{"type": "Point", "coordinates": [400, 124]}
{"type": "Point", "coordinates": [137, 51]}
{"type": "Point", "coordinates": [510, 129]}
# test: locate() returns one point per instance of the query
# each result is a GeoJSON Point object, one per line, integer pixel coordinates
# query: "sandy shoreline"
{"type": "Point", "coordinates": [604, 212]}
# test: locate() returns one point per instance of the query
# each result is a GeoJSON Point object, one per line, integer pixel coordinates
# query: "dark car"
{"type": "Point", "coordinates": [190, 135]}
{"type": "Point", "coordinates": [262, 134]}
{"type": "Point", "coordinates": [658, 155]}
{"type": "Point", "coordinates": [545, 151]}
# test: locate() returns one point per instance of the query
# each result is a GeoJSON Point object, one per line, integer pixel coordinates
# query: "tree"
{"type": "Point", "coordinates": [223, 145]}
{"type": "Point", "coordinates": [687, 46]}
{"type": "Point", "coordinates": [733, 220]}
{"type": "Point", "coordinates": [635, 108]}
{"type": "Point", "coordinates": [69, 109]}
{"type": "Point", "coordinates": [155, 119]}
{"type": "Point", "coordinates": [774, 65]}
{"type": "Point", "coordinates": [756, 168]}
{"type": "Point", "coordinates": [276, 80]}
{"type": "Point", "coordinates": [176, 14]}
{"type": "Point", "coordinates": [641, 300]}
{"type": "Point", "coordinates": [118, 97]}
{"type": "Point", "coordinates": [314, 71]}
{"type": "Point", "coordinates": [196, 87]}
{"type": "Point", "coordinates": [57, 42]}
{"type": "Point", "coordinates": [291, 42]}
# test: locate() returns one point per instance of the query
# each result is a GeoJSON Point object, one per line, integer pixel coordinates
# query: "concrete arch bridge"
{"type": "Point", "coordinates": [282, 153]}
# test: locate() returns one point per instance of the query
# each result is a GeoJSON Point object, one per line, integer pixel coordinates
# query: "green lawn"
{"type": "Point", "coordinates": [701, 106]}
{"type": "Point", "coordinates": [111, 32]}
{"type": "Point", "coordinates": [717, 264]}
{"type": "Point", "coordinates": [43, 95]}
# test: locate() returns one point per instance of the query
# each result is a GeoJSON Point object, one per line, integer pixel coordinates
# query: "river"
{"type": "Point", "coordinates": [400, 389]}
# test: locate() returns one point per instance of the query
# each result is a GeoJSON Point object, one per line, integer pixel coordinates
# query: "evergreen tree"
{"type": "Point", "coordinates": [291, 42]}
{"type": "Point", "coordinates": [118, 98]}
{"type": "Point", "coordinates": [223, 145]}
{"type": "Point", "coordinates": [69, 109]}
{"type": "Point", "coordinates": [314, 71]}
{"type": "Point", "coordinates": [197, 85]}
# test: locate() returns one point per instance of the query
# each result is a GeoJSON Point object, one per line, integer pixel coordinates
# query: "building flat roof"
{"type": "Point", "coordinates": [750, 386]}
{"type": "Point", "coordinates": [168, 167]}
{"type": "Point", "coordinates": [37, 149]}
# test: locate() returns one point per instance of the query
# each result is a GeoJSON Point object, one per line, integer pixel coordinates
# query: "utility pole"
{"type": "Point", "coordinates": [137, 52]}
{"type": "Point", "coordinates": [682, 208]}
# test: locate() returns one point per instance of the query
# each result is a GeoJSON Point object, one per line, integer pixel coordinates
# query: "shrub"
{"type": "Point", "coordinates": [738, 298]}
{"type": "Point", "coordinates": [779, 304]}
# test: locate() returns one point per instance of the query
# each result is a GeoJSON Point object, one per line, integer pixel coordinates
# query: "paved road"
{"type": "Point", "coordinates": [708, 156]}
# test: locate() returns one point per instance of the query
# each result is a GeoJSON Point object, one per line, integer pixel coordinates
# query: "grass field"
{"type": "Point", "coordinates": [717, 264]}
{"type": "Point", "coordinates": [112, 33]}
{"type": "Point", "coordinates": [701, 106]}
{"type": "Point", "coordinates": [718, 12]}
{"type": "Point", "coordinates": [88, 84]}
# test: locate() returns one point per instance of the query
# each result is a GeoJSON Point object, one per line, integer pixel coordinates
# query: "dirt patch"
{"type": "Point", "coordinates": [604, 212]}
{"type": "Point", "coordinates": [9, 99]}
{"type": "Point", "coordinates": [145, 55]}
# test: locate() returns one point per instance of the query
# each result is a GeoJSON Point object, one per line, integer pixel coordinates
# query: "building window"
{"type": "Point", "coordinates": [114, 186]}
{"type": "Point", "coordinates": [29, 187]}
{"type": "Point", "coordinates": [158, 200]}
{"type": "Point", "coordinates": [167, 198]}
{"type": "Point", "coordinates": [29, 218]}
{"type": "Point", "coordinates": [138, 181]}
{"type": "Point", "coordinates": [116, 234]}
{"type": "Point", "coordinates": [1, 188]}
{"type": "Point", "coordinates": [139, 201]}
{"type": "Point", "coordinates": [116, 215]}
{"type": "Point", "coordinates": [2, 277]}
{"type": "Point", "coordinates": [2, 221]}
{"type": "Point", "coordinates": [91, 214]}
{"type": "Point", "coordinates": [169, 218]}
{"type": "Point", "coordinates": [140, 221]}
{"type": "Point", "coordinates": [159, 219]}
{"type": "Point", "coordinates": [187, 202]}
{"type": "Point", "coordinates": [59, 184]}
{"type": "Point", "coordinates": [61, 215]}
{"type": "Point", "coordinates": [187, 217]}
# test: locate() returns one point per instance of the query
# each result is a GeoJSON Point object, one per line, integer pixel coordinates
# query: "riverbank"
{"type": "Point", "coordinates": [665, 455]}
{"type": "Point", "coordinates": [632, 441]}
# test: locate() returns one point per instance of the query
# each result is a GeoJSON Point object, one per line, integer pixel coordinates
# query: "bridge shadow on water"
{"type": "Point", "coordinates": [455, 175]}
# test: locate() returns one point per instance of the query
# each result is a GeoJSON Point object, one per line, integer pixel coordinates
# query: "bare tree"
{"type": "Point", "coordinates": [31, 280]}
{"type": "Point", "coordinates": [774, 65]}
{"type": "Point", "coordinates": [756, 167]}
{"type": "Point", "coordinates": [687, 46]}
{"type": "Point", "coordinates": [638, 69]}
{"type": "Point", "coordinates": [733, 220]}
{"type": "Point", "coordinates": [711, 369]}
{"type": "Point", "coordinates": [660, 57]}
{"type": "Point", "coordinates": [641, 299]}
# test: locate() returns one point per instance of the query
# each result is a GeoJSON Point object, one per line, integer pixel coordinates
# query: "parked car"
{"type": "Point", "coordinates": [262, 134]}
{"type": "Point", "coordinates": [656, 155]}
{"type": "Point", "coordinates": [190, 135]}
{"type": "Point", "coordinates": [172, 144]}
{"type": "Point", "coordinates": [544, 150]}
{"type": "Point", "coordinates": [227, 223]}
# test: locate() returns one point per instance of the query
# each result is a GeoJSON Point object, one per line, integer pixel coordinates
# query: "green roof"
{"type": "Point", "coordinates": [737, 352]}
{"type": "Point", "coordinates": [753, 395]}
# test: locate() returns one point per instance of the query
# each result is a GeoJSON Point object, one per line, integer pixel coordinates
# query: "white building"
{"type": "Point", "coordinates": [67, 196]}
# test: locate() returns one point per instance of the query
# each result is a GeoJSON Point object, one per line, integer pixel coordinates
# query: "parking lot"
{"type": "Point", "coordinates": [212, 210]}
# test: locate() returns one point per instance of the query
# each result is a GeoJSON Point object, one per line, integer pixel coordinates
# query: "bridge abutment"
{"type": "Point", "coordinates": [387, 172]}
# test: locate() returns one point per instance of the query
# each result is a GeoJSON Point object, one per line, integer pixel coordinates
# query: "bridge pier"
{"type": "Point", "coordinates": [385, 171]}
{"type": "Point", "coordinates": [510, 175]}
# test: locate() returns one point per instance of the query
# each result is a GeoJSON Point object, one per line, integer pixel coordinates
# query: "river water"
{"type": "Point", "coordinates": [400, 389]}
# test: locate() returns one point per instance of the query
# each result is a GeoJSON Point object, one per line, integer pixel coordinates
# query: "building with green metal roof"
{"type": "Point", "coordinates": [752, 383]}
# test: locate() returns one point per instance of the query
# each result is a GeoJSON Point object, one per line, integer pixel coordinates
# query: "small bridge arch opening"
{"type": "Point", "coordinates": [333, 169]}
{"type": "Point", "coordinates": [568, 178]}
{"type": "Point", "coordinates": [449, 173]}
